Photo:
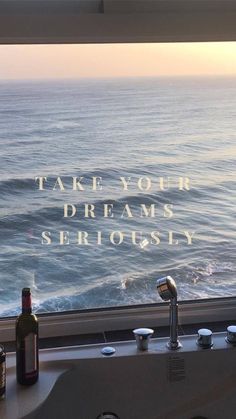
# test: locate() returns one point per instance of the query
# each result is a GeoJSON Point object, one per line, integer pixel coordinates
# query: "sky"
{"type": "Point", "coordinates": [117, 60]}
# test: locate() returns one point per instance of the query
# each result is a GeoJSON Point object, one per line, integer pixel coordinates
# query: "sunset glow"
{"type": "Point", "coordinates": [117, 60]}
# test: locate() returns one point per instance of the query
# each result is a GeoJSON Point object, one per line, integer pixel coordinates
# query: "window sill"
{"type": "Point", "coordinates": [126, 318]}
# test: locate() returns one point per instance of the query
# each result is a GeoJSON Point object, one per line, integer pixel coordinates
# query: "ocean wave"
{"type": "Point", "coordinates": [16, 186]}
{"type": "Point", "coordinates": [132, 288]}
{"type": "Point", "coordinates": [217, 267]}
{"type": "Point", "coordinates": [55, 213]}
{"type": "Point", "coordinates": [20, 143]}
{"type": "Point", "coordinates": [201, 279]}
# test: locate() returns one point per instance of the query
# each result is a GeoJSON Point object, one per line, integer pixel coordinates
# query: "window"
{"type": "Point", "coordinates": [117, 168]}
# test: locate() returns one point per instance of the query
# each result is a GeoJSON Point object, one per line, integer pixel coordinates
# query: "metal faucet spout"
{"type": "Point", "coordinates": [168, 292]}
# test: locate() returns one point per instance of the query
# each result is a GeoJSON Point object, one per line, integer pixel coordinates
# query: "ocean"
{"type": "Point", "coordinates": [153, 161]}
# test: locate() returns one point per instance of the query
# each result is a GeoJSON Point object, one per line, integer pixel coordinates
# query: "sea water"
{"type": "Point", "coordinates": [97, 130]}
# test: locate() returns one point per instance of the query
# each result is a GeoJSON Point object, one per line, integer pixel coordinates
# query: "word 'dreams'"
{"type": "Point", "coordinates": [107, 210]}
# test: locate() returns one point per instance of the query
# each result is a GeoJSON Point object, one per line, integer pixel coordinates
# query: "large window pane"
{"type": "Point", "coordinates": [150, 130]}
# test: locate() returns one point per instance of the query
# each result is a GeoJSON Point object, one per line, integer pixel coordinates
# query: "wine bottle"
{"type": "Point", "coordinates": [27, 363]}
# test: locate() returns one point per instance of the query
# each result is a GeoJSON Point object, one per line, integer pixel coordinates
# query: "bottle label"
{"type": "Point", "coordinates": [30, 353]}
{"type": "Point", "coordinates": [2, 375]}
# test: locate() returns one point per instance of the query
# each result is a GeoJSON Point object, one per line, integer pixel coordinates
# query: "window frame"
{"type": "Point", "coordinates": [119, 21]}
{"type": "Point", "coordinates": [122, 318]}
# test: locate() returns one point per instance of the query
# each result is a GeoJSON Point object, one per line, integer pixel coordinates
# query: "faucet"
{"type": "Point", "coordinates": [167, 290]}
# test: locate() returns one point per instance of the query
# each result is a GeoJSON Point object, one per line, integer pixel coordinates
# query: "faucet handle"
{"type": "Point", "coordinates": [231, 335]}
{"type": "Point", "coordinates": [204, 338]}
{"type": "Point", "coordinates": [142, 337]}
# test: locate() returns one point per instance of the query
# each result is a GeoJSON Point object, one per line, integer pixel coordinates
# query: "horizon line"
{"type": "Point", "coordinates": [169, 76]}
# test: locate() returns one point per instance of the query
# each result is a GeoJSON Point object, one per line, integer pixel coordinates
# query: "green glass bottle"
{"type": "Point", "coordinates": [27, 363]}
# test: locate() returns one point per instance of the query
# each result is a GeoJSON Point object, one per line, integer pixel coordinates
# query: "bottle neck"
{"type": "Point", "coordinates": [26, 304]}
